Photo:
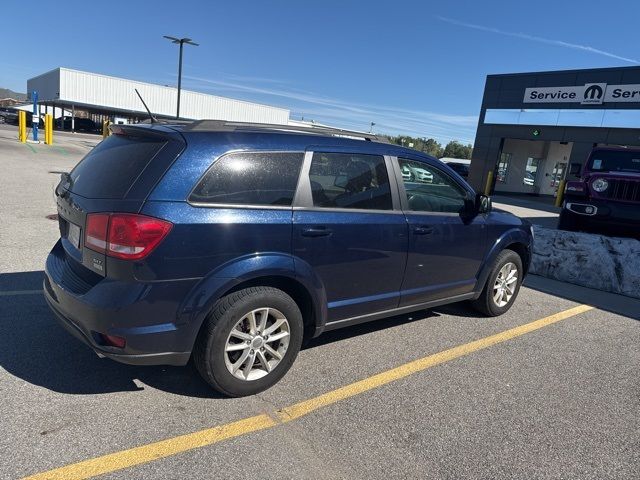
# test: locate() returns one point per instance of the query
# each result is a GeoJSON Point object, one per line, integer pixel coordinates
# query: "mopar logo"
{"type": "Point", "coordinates": [593, 93]}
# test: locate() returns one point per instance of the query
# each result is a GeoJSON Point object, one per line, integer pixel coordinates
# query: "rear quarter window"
{"type": "Point", "coordinates": [111, 168]}
{"type": "Point", "coordinates": [250, 178]}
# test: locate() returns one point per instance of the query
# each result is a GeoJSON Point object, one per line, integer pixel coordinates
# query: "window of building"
{"type": "Point", "coordinates": [430, 189]}
{"type": "Point", "coordinates": [346, 180]}
{"type": "Point", "coordinates": [250, 178]}
{"type": "Point", "coordinates": [503, 167]}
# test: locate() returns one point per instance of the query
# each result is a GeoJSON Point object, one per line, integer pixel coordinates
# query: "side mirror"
{"type": "Point", "coordinates": [574, 169]}
{"type": "Point", "coordinates": [483, 203]}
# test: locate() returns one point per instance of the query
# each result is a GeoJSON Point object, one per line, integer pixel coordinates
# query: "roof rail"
{"type": "Point", "coordinates": [222, 125]}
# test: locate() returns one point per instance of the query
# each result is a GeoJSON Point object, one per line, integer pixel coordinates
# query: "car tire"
{"type": "Point", "coordinates": [227, 335]}
{"type": "Point", "coordinates": [489, 302]}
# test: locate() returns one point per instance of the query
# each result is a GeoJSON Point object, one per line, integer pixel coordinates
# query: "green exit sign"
{"type": "Point", "coordinates": [536, 132]}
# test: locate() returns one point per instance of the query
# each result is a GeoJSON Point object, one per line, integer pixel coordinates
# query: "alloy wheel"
{"type": "Point", "coordinates": [257, 344]}
{"type": "Point", "coordinates": [505, 284]}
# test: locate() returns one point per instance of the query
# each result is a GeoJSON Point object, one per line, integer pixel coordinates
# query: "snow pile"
{"type": "Point", "coordinates": [595, 261]}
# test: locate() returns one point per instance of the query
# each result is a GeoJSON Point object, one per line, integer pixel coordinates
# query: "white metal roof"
{"type": "Point", "coordinates": [84, 89]}
{"type": "Point", "coordinates": [455, 160]}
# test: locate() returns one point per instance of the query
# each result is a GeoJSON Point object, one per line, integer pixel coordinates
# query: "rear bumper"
{"type": "Point", "coordinates": [163, 358]}
{"type": "Point", "coordinates": [144, 314]}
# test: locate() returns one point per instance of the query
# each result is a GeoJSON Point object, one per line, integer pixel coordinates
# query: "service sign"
{"type": "Point", "coordinates": [588, 94]}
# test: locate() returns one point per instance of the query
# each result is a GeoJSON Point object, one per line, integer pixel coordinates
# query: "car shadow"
{"type": "Point", "coordinates": [34, 348]}
{"type": "Point", "coordinates": [367, 327]}
{"type": "Point", "coordinates": [610, 302]}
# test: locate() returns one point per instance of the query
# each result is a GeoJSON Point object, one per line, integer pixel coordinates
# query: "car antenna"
{"type": "Point", "coordinates": [153, 119]}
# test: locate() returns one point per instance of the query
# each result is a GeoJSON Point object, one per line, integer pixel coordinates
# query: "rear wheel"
{"type": "Point", "coordinates": [503, 285]}
{"type": "Point", "coordinates": [249, 341]}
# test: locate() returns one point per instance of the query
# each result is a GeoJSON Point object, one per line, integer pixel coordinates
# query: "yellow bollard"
{"type": "Point", "coordinates": [22, 126]}
{"type": "Point", "coordinates": [560, 195]}
{"type": "Point", "coordinates": [487, 187]}
{"type": "Point", "coordinates": [48, 129]}
{"type": "Point", "coordinates": [105, 129]}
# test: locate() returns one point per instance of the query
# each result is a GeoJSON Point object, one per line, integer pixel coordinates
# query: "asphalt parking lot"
{"type": "Point", "coordinates": [549, 390]}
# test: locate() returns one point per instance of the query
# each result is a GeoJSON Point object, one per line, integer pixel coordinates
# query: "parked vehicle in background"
{"type": "Point", "coordinates": [416, 173]}
{"type": "Point", "coordinates": [230, 243]}
{"type": "Point", "coordinates": [8, 115]}
{"type": "Point", "coordinates": [422, 175]}
{"type": "Point", "coordinates": [461, 169]}
{"type": "Point", "coordinates": [529, 179]}
{"type": "Point", "coordinates": [80, 124]}
{"type": "Point", "coordinates": [606, 199]}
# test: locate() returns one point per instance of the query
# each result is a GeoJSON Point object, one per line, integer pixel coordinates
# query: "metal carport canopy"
{"type": "Point", "coordinates": [100, 93]}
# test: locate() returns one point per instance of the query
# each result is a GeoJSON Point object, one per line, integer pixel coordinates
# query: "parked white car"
{"type": "Point", "coordinates": [416, 174]}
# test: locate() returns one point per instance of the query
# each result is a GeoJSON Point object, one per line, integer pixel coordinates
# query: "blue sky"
{"type": "Point", "coordinates": [415, 68]}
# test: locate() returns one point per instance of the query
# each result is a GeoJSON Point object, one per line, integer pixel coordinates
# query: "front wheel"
{"type": "Point", "coordinates": [503, 285]}
{"type": "Point", "coordinates": [249, 341]}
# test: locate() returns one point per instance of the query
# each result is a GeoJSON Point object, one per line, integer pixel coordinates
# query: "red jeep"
{"type": "Point", "coordinates": [606, 199]}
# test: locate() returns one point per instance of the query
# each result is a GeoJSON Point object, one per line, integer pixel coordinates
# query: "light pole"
{"type": "Point", "coordinates": [181, 42]}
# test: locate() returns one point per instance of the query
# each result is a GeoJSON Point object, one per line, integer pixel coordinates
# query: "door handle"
{"type": "Point", "coordinates": [422, 230]}
{"type": "Point", "coordinates": [316, 232]}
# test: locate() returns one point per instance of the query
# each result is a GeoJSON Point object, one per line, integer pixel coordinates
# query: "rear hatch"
{"type": "Point", "coordinates": [116, 176]}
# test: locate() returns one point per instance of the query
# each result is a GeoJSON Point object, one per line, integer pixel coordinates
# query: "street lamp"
{"type": "Point", "coordinates": [181, 42]}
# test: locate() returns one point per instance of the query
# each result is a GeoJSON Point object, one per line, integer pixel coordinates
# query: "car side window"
{"type": "Point", "coordinates": [250, 178]}
{"type": "Point", "coordinates": [429, 189]}
{"type": "Point", "coordinates": [349, 180]}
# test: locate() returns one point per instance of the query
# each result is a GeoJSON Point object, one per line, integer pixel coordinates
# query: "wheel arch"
{"type": "Point", "coordinates": [292, 287]}
{"type": "Point", "coordinates": [275, 270]}
{"type": "Point", "coordinates": [523, 252]}
{"type": "Point", "coordinates": [516, 240]}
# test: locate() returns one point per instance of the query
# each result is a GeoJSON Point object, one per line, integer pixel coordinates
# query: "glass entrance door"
{"type": "Point", "coordinates": [531, 174]}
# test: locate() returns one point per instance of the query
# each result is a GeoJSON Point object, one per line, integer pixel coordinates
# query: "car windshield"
{"type": "Point", "coordinates": [615, 161]}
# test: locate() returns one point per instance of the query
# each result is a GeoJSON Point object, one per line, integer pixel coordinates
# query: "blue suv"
{"type": "Point", "coordinates": [232, 243]}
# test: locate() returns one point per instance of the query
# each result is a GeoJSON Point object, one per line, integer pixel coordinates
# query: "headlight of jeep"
{"type": "Point", "coordinates": [600, 185]}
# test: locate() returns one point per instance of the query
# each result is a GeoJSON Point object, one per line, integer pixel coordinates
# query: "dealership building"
{"type": "Point", "coordinates": [532, 126]}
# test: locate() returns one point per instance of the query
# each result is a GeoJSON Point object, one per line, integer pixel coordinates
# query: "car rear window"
{"type": "Point", "coordinates": [111, 168]}
{"type": "Point", "coordinates": [250, 178]}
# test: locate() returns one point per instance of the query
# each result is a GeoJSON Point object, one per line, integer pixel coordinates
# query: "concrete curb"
{"type": "Point", "coordinates": [609, 264]}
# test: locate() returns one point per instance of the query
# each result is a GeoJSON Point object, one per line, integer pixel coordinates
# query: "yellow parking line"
{"type": "Point", "coordinates": [172, 446]}
{"type": "Point", "coordinates": [154, 451]}
{"type": "Point", "coordinates": [304, 408]}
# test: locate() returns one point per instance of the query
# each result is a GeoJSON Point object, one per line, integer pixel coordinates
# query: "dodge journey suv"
{"type": "Point", "coordinates": [229, 244]}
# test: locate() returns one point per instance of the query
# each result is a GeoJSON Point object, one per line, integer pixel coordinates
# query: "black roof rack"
{"type": "Point", "coordinates": [225, 126]}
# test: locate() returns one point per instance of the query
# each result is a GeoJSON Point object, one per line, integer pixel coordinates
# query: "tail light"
{"type": "Point", "coordinates": [124, 235]}
{"type": "Point", "coordinates": [96, 232]}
